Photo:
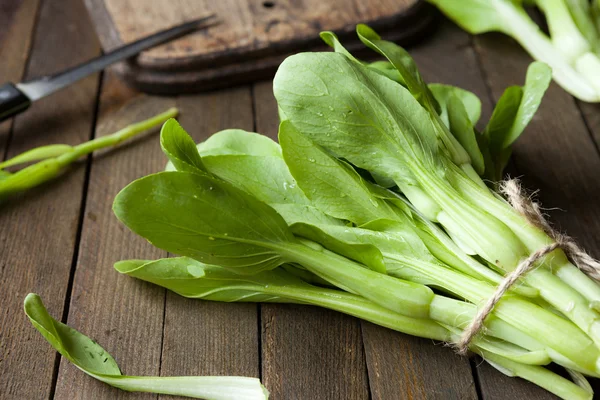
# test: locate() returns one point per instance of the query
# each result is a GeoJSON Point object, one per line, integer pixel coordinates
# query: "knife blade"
{"type": "Point", "coordinates": [16, 98]}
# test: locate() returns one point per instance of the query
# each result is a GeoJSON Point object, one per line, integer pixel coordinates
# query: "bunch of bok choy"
{"type": "Point", "coordinates": [373, 204]}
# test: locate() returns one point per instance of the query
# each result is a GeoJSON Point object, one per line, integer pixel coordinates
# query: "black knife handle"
{"type": "Point", "coordinates": [12, 101]}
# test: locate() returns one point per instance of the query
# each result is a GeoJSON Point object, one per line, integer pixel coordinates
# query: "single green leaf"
{"type": "Point", "coordinates": [516, 108]}
{"type": "Point", "coordinates": [513, 112]}
{"type": "Point", "coordinates": [364, 253]}
{"type": "Point", "coordinates": [238, 142]}
{"type": "Point", "coordinates": [332, 186]}
{"type": "Point", "coordinates": [204, 218]}
{"type": "Point", "coordinates": [332, 41]}
{"type": "Point", "coordinates": [282, 285]}
{"type": "Point", "coordinates": [503, 117]}
{"type": "Point", "coordinates": [403, 62]}
{"type": "Point", "coordinates": [191, 278]}
{"type": "Point", "coordinates": [92, 359]}
{"type": "Point", "coordinates": [180, 148]}
{"type": "Point", "coordinates": [470, 101]}
{"type": "Point", "coordinates": [462, 129]}
{"type": "Point", "coordinates": [386, 68]}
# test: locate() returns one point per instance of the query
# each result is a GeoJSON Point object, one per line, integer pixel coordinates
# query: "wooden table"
{"type": "Point", "coordinates": [62, 239]}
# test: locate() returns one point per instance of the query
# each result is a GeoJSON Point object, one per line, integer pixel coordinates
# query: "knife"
{"type": "Point", "coordinates": [16, 98]}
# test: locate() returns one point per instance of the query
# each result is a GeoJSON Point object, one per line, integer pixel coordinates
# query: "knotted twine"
{"type": "Point", "coordinates": [511, 189]}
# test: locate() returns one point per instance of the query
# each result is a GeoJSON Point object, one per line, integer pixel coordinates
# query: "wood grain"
{"type": "Point", "coordinates": [17, 19]}
{"type": "Point", "coordinates": [124, 315]}
{"type": "Point", "coordinates": [252, 40]}
{"type": "Point", "coordinates": [201, 337]}
{"type": "Point", "coordinates": [246, 26]}
{"type": "Point", "coordinates": [556, 155]}
{"type": "Point", "coordinates": [38, 230]}
{"type": "Point", "coordinates": [307, 352]}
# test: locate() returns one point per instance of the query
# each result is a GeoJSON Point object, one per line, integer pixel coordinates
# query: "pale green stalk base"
{"type": "Point", "coordinates": [199, 387]}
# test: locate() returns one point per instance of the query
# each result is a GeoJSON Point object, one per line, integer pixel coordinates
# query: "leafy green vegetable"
{"type": "Point", "coordinates": [306, 222]}
{"type": "Point", "coordinates": [88, 356]}
{"type": "Point", "coordinates": [56, 158]}
{"type": "Point", "coordinates": [571, 50]}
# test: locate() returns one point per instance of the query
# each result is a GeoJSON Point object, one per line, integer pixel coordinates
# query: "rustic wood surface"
{"type": "Point", "coordinates": [251, 40]}
{"type": "Point", "coordinates": [61, 239]}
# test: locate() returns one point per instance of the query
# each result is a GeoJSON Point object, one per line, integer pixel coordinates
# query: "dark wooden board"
{"type": "Point", "coordinates": [251, 41]}
{"type": "Point", "coordinates": [38, 231]}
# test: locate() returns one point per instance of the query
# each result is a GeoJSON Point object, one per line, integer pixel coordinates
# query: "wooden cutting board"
{"type": "Point", "coordinates": [254, 36]}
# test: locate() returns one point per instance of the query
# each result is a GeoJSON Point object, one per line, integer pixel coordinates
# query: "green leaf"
{"type": "Point", "coordinates": [332, 186]}
{"type": "Point", "coordinates": [180, 148]}
{"type": "Point", "coordinates": [238, 142]}
{"type": "Point", "coordinates": [403, 62]}
{"type": "Point", "coordinates": [196, 280]}
{"type": "Point", "coordinates": [407, 67]}
{"type": "Point", "coordinates": [386, 68]}
{"type": "Point", "coordinates": [204, 218]}
{"type": "Point", "coordinates": [92, 359]}
{"type": "Point", "coordinates": [332, 41]}
{"type": "Point", "coordinates": [462, 129]}
{"type": "Point", "coordinates": [191, 278]}
{"type": "Point", "coordinates": [513, 112]}
{"type": "Point", "coordinates": [471, 102]}
{"type": "Point", "coordinates": [364, 253]}
{"type": "Point", "coordinates": [75, 347]}
{"type": "Point", "coordinates": [357, 114]}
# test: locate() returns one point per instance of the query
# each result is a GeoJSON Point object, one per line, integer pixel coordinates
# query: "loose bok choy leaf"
{"type": "Point", "coordinates": [88, 356]}
{"type": "Point", "coordinates": [54, 159]}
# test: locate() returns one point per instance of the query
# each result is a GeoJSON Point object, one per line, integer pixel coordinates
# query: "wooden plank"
{"type": "Point", "coordinates": [124, 315]}
{"type": "Point", "coordinates": [401, 366]}
{"type": "Point", "coordinates": [38, 230]}
{"type": "Point", "coordinates": [201, 337]}
{"type": "Point", "coordinates": [555, 155]}
{"type": "Point", "coordinates": [250, 42]}
{"type": "Point", "coordinates": [17, 19]}
{"type": "Point", "coordinates": [307, 352]}
{"type": "Point", "coordinates": [591, 113]}
{"type": "Point", "coordinates": [246, 26]}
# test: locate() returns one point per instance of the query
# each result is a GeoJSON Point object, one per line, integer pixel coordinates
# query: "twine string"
{"type": "Point", "coordinates": [531, 211]}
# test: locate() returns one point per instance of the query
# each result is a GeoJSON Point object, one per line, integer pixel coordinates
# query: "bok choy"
{"type": "Point", "coordinates": [374, 203]}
